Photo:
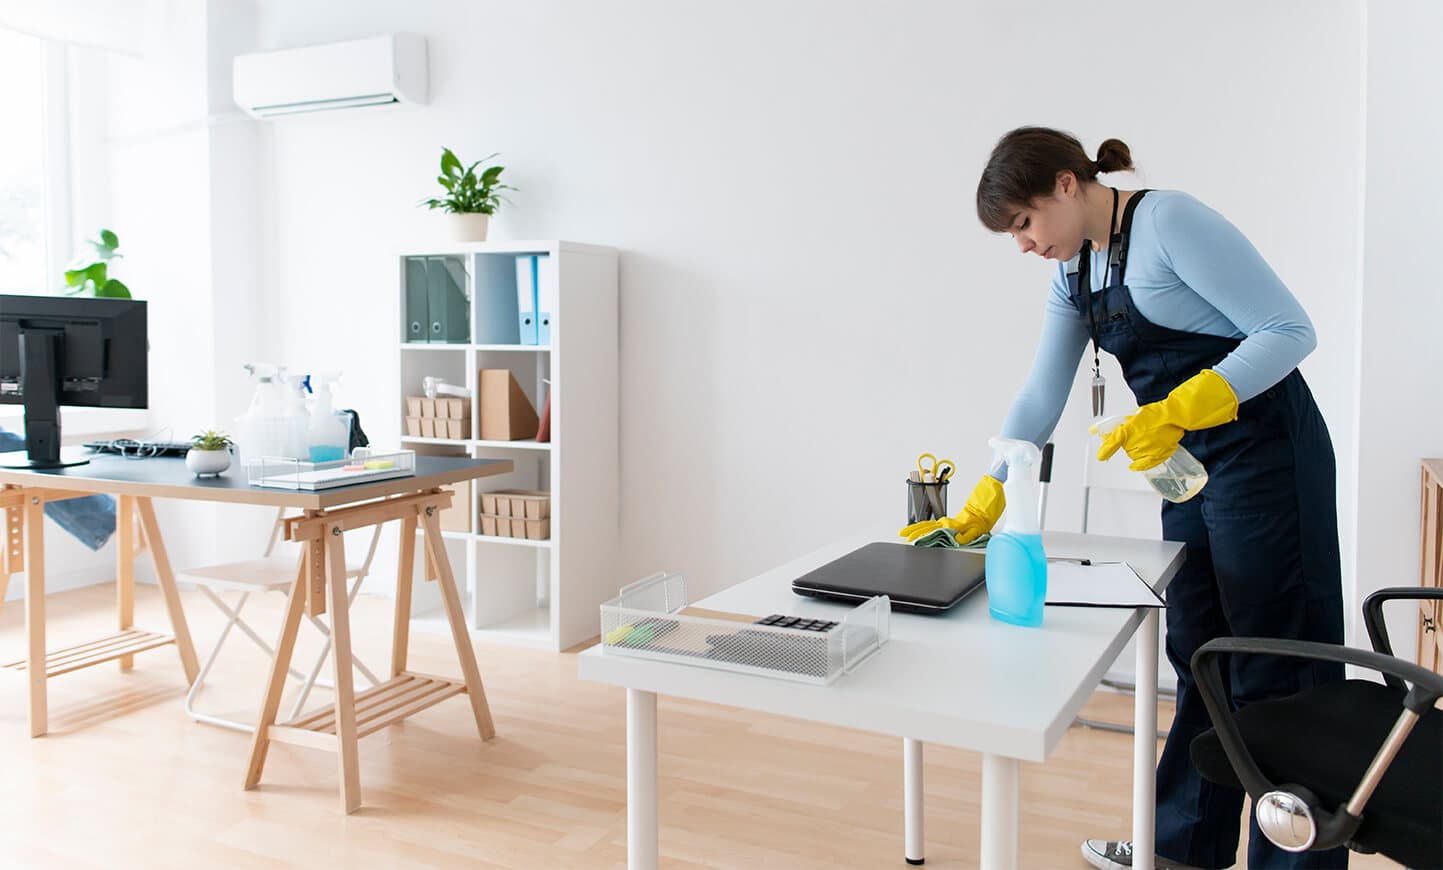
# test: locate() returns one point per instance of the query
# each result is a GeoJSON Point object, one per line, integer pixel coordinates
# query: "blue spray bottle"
{"type": "Point", "coordinates": [1016, 565]}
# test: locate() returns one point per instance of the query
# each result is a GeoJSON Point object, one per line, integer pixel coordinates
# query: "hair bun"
{"type": "Point", "coordinates": [1113, 155]}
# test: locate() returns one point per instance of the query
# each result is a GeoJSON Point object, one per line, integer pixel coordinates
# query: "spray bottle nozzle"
{"type": "Point", "coordinates": [1106, 424]}
{"type": "Point", "coordinates": [1021, 487]}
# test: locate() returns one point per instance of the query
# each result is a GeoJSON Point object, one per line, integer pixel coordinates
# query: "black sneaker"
{"type": "Point", "coordinates": [1117, 855]}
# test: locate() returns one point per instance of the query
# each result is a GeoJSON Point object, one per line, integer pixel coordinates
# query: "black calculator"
{"type": "Point", "coordinates": [782, 621]}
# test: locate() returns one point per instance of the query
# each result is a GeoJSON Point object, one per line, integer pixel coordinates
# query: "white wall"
{"type": "Point", "coordinates": [1400, 416]}
{"type": "Point", "coordinates": [807, 298]}
{"type": "Point", "coordinates": [162, 156]}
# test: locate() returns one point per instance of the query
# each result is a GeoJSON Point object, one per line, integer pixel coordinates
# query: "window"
{"type": "Point", "coordinates": [23, 255]}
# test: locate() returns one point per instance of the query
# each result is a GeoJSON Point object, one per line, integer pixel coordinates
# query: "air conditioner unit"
{"type": "Point", "coordinates": [340, 75]}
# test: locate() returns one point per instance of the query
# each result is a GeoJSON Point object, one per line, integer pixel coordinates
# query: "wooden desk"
{"type": "Point", "coordinates": [320, 583]}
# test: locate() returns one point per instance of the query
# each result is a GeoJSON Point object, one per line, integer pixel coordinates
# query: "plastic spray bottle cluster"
{"type": "Point", "coordinates": [279, 423]}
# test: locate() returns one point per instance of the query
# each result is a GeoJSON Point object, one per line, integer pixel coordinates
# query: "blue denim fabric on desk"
{"type": "Point", "coordinates": [90, 518]}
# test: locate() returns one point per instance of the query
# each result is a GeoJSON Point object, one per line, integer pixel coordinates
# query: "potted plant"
{"type": "Point", "coordinates": [209, 453]}
{"type": "Point", "coordinates": [89, 271]}
{"type": "Point", "coordinates": [470, 199]}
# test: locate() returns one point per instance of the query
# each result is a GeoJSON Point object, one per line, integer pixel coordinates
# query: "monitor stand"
{"type": "Point", "coordinates": [40, 384]}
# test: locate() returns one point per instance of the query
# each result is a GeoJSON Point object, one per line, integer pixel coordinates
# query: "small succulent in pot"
{"type": "Point", "coordinates": [209, 453]}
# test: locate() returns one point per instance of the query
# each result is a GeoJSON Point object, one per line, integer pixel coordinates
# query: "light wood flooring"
{"type": "Point", "coordinates": [125, 779]}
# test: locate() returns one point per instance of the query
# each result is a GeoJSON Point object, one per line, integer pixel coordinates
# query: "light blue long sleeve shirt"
{"type": "Point", "coordinates": [1190, 270]}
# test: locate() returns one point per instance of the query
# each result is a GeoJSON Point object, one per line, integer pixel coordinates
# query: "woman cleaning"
{"type": "Point", "coordinates": [1209, 340]}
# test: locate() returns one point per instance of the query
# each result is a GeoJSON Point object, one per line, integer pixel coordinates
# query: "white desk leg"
{"type": "Point", "coordinates": [1144, 745]}
{"type": "Point", "coordinates": [913, 812]}
{"type": "Point", "coordinates": [641, 842]}
{"type": "Point", "coordinates": [999, 812]}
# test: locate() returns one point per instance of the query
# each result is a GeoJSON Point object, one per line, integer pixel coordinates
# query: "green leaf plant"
{"type": "Point", "coordinates": [88, 274]}
{"type": "Point", "coordinates": [211, 440]}
{"type": "Point", "coordinates": [467, 192]}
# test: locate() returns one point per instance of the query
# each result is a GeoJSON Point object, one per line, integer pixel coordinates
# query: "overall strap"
{"type": "Point", "coordinates": [1117, 249]}
{"type": "Point", "coordinates": [1117, 259]}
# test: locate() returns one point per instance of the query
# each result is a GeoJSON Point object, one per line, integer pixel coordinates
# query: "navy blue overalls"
{"type": "Point", "coordinates": [1262, 555]}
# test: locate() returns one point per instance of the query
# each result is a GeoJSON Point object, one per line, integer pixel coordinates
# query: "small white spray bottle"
{"type": "Point", "coordinates": [1016, 566]}
{"type": "Point", "coordinates": [330, 431]}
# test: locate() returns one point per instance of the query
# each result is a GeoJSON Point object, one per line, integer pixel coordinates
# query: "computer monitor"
{"type": "Point", "coordinates": [64, 350]}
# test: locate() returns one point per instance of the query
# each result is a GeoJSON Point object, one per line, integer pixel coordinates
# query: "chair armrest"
{"type": "Point", "coordinates": [1427, 687]}
{"type": "Point", "coordinates": [1373, 617]}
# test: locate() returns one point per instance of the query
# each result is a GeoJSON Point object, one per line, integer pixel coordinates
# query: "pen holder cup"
{"type": "Point", "coordinates": [926, 501]}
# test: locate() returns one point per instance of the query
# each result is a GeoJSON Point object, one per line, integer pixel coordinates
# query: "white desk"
{"type": "Point", "coordinates": [962, 679]}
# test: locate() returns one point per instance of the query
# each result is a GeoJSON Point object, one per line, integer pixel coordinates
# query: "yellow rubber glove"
{"type": "Point", "coordinates": [1151, 435]}
{"type": "Point", "coordinates": [976, 518]}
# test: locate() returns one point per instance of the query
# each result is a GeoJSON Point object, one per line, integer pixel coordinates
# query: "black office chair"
{"type": "Point", "coordinates": [1336, 748]}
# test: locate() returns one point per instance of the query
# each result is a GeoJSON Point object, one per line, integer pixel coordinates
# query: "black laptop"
{"type": "Point", "coordinates": [917, 579]}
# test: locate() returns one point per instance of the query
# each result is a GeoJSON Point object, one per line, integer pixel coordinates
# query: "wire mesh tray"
{"type": "Point", "coordinates": [648, 619]}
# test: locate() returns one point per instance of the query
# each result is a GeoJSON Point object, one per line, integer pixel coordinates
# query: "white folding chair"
{"type": "Point", "coordinates": [271, 573]}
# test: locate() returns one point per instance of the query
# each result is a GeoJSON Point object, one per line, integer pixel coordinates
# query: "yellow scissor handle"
{"type": "Point", "coordinates": [937, 469]}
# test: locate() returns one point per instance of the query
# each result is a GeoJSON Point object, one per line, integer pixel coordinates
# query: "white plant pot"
{"type": "Point", "coordinates": [468, 227]}
{"type": "Point", "coordinates": [207, 463]}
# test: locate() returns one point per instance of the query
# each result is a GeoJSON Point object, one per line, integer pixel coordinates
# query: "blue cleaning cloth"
{"type": "Point", "coordinates": [90, 518]}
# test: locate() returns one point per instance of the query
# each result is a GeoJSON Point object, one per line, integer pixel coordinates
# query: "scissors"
{"type": "Point", "coordinates": [933, 469]}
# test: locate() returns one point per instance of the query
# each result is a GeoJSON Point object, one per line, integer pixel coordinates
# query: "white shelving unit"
{"type": "Point", "coordinates": [545, 594]}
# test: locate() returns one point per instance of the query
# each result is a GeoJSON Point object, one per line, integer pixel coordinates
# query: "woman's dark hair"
{"type": "Point", "coordinates": [1024, 166]}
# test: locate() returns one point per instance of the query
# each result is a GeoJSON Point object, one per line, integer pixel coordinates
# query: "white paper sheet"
{"type": "Point", "coordinates": [1101, 584]}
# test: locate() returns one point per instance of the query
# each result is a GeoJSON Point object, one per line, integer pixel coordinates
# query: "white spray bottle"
{"type": "Point", "coordinates": [1016, 564]}
{"type": "Point", "coordinates": [330, 431]}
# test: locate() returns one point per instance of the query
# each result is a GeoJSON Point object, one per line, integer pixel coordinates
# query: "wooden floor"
{"type": "Point", "coordinates": [126, 780]}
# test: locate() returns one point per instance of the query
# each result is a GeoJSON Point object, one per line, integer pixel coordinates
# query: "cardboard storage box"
{"type": "Point", "coordinates": [457, 518]}
{"type": "Point", "coordinates": [515, 527]}
{"type": "Point", "coordinates": [453, 408]}
{"type": "Point", "coordinates": [455, 428]}
{"type": "Point", "coordinates": [413, 406]}
{"type": "Point", "coordinates": [506, 413]}
{"type": "Point", "coordinates": [523, 503]}
{"type": "Point", "coordinates": [413, 426]}
{"type": "Point", "coordinates": [428, 427]}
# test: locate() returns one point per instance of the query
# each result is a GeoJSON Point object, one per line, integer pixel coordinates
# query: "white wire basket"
{"type": "Point", "coordinates": [366, 465]}
{"type": "Point", "coordinates": [648, 619]}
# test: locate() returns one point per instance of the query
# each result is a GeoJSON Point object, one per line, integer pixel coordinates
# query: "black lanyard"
{"type": "Point", "coordinates": [1084, 280]}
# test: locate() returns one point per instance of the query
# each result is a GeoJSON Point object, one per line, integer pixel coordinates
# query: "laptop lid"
{"type": "Point", "coordinates": [917, 579]}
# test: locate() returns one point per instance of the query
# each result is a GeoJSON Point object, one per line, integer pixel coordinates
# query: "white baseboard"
{"type": "Point", "coordinates": [63, 581]}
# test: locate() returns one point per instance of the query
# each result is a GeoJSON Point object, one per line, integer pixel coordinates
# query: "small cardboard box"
{"type": "Point", "coordinates": [453, 408]}
{"type": "Point", "coordinates": [457, 518]}
{"type": "Point", "coordinates": [506, 413]}
{"type": "Point", "coordinates": [519, 503]}
{"type": "Point", "coordinates": [428, 427]}
{"type": "Point", "coordinates": [456, 428]}
{"type": "Point", "coordinates": [488, 524]}
{"type": "Point", "coordinates": [413, 426]}
{"type": "Point", "coordinates": [537, 530]}
{"type": "Point", "coordinates": [428, 407]}
{"type": "Point", "coordinates": [413, 406]}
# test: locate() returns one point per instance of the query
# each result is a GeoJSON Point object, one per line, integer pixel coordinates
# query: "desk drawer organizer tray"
{"type": "Point", "coordinates": [366, 465]}
{"type": "Point", "coordinates": [647, 620]}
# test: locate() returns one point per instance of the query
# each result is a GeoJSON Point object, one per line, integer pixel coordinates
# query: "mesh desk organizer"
{"type": "Point", "coordinates": [649, 619]}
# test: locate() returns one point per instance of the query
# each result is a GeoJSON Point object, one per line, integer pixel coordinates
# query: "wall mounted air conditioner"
{"type": "Point", "coordinates": [340, 75]}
